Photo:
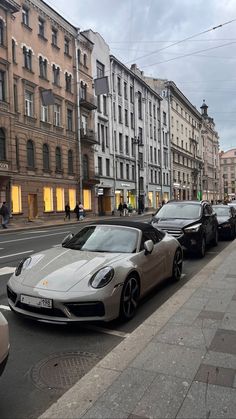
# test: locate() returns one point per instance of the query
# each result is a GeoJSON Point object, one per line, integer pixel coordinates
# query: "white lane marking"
{"type": "Point", "coordinates": [34, 232]}
{"type": "Point", "coordinates": [16, 254]}
{"type": "Point", "coordinates": [33, 238]}
{"type": "Point", "coordinates": [106, 331]}
{"type": "Point", "coordinates": [7, 270]}
{"type": "Point", "coordinates": [2, 307]}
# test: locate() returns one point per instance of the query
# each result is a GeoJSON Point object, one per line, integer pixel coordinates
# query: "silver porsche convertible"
{"type": "Point", "coordinates": [100, 273]}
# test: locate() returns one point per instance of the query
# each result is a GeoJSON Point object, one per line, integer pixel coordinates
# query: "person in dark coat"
{"type": "Point", "coordinates": [67, 212]}
{"type": "Point", "coordinates": [5, 213]}
{"type": "Point", "coordinates": [76, 211]}
{"type": "Point", "coordinates": [120, 208]}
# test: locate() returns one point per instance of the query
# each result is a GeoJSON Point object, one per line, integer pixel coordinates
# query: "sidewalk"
{"type": "Point", "coordinates": [179, 363]}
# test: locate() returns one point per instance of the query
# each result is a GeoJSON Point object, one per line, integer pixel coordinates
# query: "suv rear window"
{"type": "Point", "coordinates": [183, 211]}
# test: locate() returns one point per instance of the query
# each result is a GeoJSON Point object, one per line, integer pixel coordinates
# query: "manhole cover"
{"type": "Point", "coordinates": [61, 370]}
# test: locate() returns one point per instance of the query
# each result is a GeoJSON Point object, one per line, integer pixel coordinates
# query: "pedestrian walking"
{"type": "Point", "coordinates": [125, 209]}
{"type": "Point", "coordinates": [67, 212]}
{"type": "Point", "coordinates": [4, 212]}
{"type": "Point", "coordinates": [120, 209]}
{"type": "Point", "coordinates": [76, 211]}
{"type": "Point", "coordinates": [81, 211]}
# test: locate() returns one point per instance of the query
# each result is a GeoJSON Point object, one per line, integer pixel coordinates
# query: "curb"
{"type": "Point", "coordinates": [81, 397]}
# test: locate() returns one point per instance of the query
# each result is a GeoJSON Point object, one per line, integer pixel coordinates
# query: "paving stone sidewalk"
{"type": "Point", "coordinates": [179, 363]}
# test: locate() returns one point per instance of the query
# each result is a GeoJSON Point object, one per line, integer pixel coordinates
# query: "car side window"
{"type": "Point", "coordinates": [148, 235]}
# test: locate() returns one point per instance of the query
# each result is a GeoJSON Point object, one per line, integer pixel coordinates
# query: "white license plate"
{"type": "Point", "coordinates": [35, 301]}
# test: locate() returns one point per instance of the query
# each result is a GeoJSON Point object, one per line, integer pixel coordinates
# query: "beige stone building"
{"type": "Point", "coordinates": [38, 140]}
{"type": "Point", "coordinates": [228, 174]}
{"type": "Point", "coordinates": [211, 166]}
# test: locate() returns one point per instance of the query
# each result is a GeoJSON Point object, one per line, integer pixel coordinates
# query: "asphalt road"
{"type": "Point", "coordinates": [37, 348]}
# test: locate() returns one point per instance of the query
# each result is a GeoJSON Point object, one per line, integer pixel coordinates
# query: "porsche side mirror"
{"type": "Point", "coordinates": [148, 247]}
{"type": "Point", "coordinates": [67, 238]}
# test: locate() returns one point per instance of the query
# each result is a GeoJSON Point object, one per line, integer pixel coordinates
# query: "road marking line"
{"type": "Point", "coordinates": [2, 307]}
{"type": "Point", "coordinates": [35, 232]}
{"type": "Point", "coordinates": [7, 270]}
{"type": "Point", "coordinates": [33, 238]}
{"type": "Point", "coordinates": [107, 331]}
{"type": "Point", "coordinates": [16, 254]}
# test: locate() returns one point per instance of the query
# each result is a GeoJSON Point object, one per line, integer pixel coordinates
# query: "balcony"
{"type": "Point", "coordinates": [88, 136]}
{"type": "Point", "coordinates": [88, 101]}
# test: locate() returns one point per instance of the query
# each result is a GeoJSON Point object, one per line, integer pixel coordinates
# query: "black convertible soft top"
{"type": "Point", "coordinates": [127, 223]}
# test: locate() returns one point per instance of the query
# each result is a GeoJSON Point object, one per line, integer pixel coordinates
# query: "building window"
{"type": "Point", "coordinates": [132, 147]}
{"type": "Point", "coordinates": [25, 16]}
{"type": "Point", "coordinates": [13, 50]}
{"type": "Point", "coordinates": [42, 68]}
{"type": "Point", "coordinates": [2, 85]}
{"type": "Point", "coordinates": [48, 199]}
{"type": "Point", "coordinates": [140, 135]}
{"type": "Point", "coordinates": [54, 37]}
{"type": "Point", "coordinates": [44, 113]}
{"type": "Point", "coordinates": [58, 159]}
{"type": "Point", "coordinates": [151, 154]}
{"type": "Point", "coordinates": [132, 120]}
{"type": "Point", "coordinates": [164, 119]}
{"type": "Point", "coordinates": [87, 199]}
{"type": "Point", "coordinates": [125, 90]}
{"type": "Point", "coordinates": [70, 162]}
{"type": "Point", "coordinates": [126, 117]}
{"type": "Point", "coordinates": [15, 94]}
{"type": "Point", "coordinates": [57, 115]}
{"type": "Point", "coordinates": [16, 199]}
{"type": "Point", "coordinates": [2, 145]}
{"type": "Point", "coordinates": [106, 136]}
{"type": "Point", "coordinates": [45, 157]}
{"type": "Point", "coordinates": [1, 32]}
{"type": "Point", "coordinates": [121, 170]}
{"type": "Point", "coordinates": [30, 154]}
{"type": "Point", "coordinates": [85, 167]}
{"type": "Point", "coordinates": [69, 119]}
{"type": "Point", "coordinates": [127, 145]}
{"type": "Point", "coordinates": [114, 111]}
{"type": "Point", "coordinates": [107, 167]}
{"type": "Point", "coordinates": [85, 60]}
{"type": "Point", "coordinates": [27, 58]}
{"type": "Point", "coordinates": [139, 105]}
{"type": "Point", "coordinates": [132, 173]}
{"type": "Point", "coordinates": [67, 46]}
{"type": "Point", "coordinates": [120, 114]}
{"type": "Point", "coordinates": [102, 137]}
{"type": "Point", "coordinates": [131, 94]}
{"type": "Point", "coordinates": [100, 69]}
{"type": "Point", "coordinates": [68, 81]}
{"type": "Point", "coordinates": [29, 104]}
{"type": "Point", "coordinates": [120, 143]}
{"type": "Point", "coordinates": [127, 171]}
{"type": "Point", "coordinates": [104, 105]}
{"type": "Point", "coordinates": [72, 198]}
{"type": "Point", "coordinates": [56, 74]}
{"type": "Point", "coordinates": [119, 86]}
{"type": "Point", "coordinates": [60, 199]}
{"type": "Point", "coordinates": [83, 90]}
{"type": "Point", "coordinates": [41, 27]}
{"type": "Point", "coordinates": [100, 166]}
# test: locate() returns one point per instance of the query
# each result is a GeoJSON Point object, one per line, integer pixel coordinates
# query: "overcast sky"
{"type": "Point", "coordinates": [134, 28]}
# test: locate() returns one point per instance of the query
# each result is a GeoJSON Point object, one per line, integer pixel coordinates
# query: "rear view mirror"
{"type": "Point", "coordinates": [67, 238]}
{"type": "Point", "coordinates": [148, 246]}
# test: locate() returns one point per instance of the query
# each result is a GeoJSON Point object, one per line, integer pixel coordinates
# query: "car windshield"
{"type": "Point", "coordinates": [224, 211]}
{"type": "Point", "coordinates": [180, 210]}
{"type": "Point", "coordinates": [105, 238]}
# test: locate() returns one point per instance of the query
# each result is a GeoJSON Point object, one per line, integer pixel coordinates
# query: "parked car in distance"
{"type": "Point", "coordinates": [100, 273]}
{"type": "Point", "coordinates": [4, 342]}
{"type": "Point", "coordinates": [193, 223]}
{"type": "Point", "coordinates": [226, 217]}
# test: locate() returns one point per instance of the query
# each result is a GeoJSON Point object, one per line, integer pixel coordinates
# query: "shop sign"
{"type": "Point", "coordinates": [125, 184]}
{"type": "Point", "coordinates": [100, 191]}
{"type": "Point", "coordinates": [176, 185]}
{"type": "Point", "coordinates": [3, 166]}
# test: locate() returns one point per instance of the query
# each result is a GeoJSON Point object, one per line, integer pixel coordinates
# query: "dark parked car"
{"type": "Point", "coordinates": [193, 223]}
{"type": "Point", "coordinates": [226, 217]}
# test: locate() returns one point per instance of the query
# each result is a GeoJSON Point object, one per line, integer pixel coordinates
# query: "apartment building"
{"type": "Point", "coordinates": [228, 174]}
{"type": "Point", "coordinates": [211, 164]}
{"type": "Point", "coordinates": [38, 107]}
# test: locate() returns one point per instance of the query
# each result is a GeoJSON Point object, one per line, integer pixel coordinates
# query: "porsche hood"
{"type": "Point", "coordinates": [60, 269]}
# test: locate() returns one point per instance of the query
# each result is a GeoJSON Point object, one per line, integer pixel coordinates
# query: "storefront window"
{"type": "Point", "coordinates": [150, 199]}
{"type": "Point", "coordinates": [72, 198]}
{"type": "Point", "coordinates": [60, 199]}
{"type": "Point", "coordinates": [48, 199]}
{"type": "Point", "coordinates": [157, 199]}
{"type": "Point", "coordinates": [87, 199]}
{"type": "Point", "coordinates": [16, 199]}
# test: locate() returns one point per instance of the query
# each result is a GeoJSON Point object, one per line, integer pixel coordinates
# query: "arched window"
{"type": "Point", "coordinates": [85, 167]}
{"type": "Point", "coordinates": [30, 154]}
{"type": "Point", "coordinates": [45, 157]}
{"type": "Point", "coordinates": [58, 159]}
{"type": "Point", "coordinates": [2, 145]}
{"type": "Point", "coordinates": [70, 162]}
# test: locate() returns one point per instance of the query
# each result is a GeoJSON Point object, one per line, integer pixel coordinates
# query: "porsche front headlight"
{"type": "Point", "coordinates": [101, 278]}
{"type": "Point", "coordinates": [22, 265]}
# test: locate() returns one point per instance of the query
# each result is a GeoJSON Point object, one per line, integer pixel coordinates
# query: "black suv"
{"type": "Point", "coordinates": [193, 223]}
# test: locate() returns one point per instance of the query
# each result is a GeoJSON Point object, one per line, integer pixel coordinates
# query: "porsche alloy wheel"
{"type": "Point", "coordinates": [129, 298]}
{"type": "Point", "coordinates": [177, 265]}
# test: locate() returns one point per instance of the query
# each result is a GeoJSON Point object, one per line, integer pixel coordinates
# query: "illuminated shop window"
{"type": "Point", "coordinates": [16, 199]}
{"type": "Point", "coordinates": [48, 199]}
{"type": "Point", "coordinates": [150, 199]}
{"type": "Point", "coordinates": [72, 198]}
{"type": "Point", "coordinates": [87, 199]}
{"type": "Point", "coordinates": [60, 199]}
